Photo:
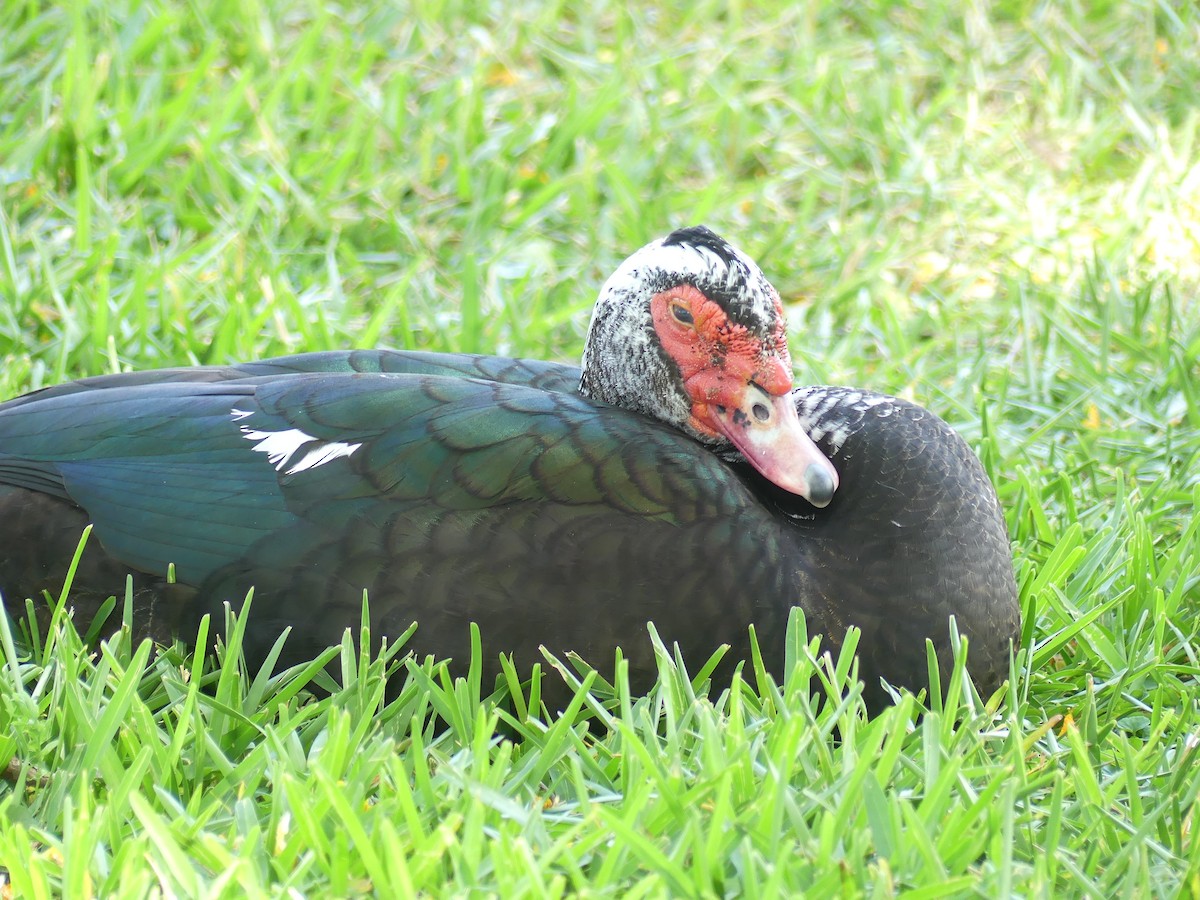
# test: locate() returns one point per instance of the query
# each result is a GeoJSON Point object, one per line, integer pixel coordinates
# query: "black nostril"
{"type": "Point", "coordinates": [761, 412]}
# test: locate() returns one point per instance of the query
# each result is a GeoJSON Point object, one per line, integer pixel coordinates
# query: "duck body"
{"type": "Point", "coordinates": [456, 489]}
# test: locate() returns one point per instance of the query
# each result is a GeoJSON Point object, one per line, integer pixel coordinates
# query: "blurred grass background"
{"type": "Point", "coordinates": [233, 179]}
{"type": "Point", "coordinates": [991, 208]}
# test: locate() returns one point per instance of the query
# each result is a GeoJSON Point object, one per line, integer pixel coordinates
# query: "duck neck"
{"type": "Point", "coordinates": [913, 535]}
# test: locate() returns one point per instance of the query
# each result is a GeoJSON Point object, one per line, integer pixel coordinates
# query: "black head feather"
{"type": "Point", "coordinates": [730, 295]}
{"type": "Point", "coordinates": [704, 238]}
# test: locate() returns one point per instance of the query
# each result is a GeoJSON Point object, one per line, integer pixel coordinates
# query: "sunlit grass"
{"type": "Point", "coordinates": [993, 209]}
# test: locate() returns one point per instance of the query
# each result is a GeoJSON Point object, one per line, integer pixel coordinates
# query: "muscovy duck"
{"type": "Point", "coordinates": [678, 478]}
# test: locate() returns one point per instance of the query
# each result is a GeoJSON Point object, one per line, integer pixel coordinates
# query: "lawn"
{"type": "Point", "coordinates": [990, 208]}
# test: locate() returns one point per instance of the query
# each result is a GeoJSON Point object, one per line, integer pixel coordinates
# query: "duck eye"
{"type": "Point", "coordinates": [682, 314]}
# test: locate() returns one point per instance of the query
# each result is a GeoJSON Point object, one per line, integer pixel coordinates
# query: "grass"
{"type": "Point", "coordinates": [992, 208]}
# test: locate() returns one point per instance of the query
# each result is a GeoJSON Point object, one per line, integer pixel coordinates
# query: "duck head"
{"type": "Point", "coordinates": [689, 331]}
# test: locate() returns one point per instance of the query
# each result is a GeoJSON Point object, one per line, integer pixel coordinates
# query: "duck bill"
{"type": "Point", "coordinates": [766, 430]}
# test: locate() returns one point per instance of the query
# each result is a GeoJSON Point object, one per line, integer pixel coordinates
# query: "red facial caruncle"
{"type": "Point", "coordinates": [740, 387]}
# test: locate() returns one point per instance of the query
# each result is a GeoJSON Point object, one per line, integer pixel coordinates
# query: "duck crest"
{"type": "Point", "coordinates": [726, 275]}
{"type": "Point", "coordinates": [703, 238]}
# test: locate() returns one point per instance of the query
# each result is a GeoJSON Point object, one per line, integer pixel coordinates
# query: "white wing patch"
{"type": "Point", "coordinates": [322, 453]}
{"type": "Point", "coordinates": [281, 446]}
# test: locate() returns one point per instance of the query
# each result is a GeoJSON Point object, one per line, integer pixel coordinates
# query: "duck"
{"type": "Point", "coordinates": [677, 477]}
